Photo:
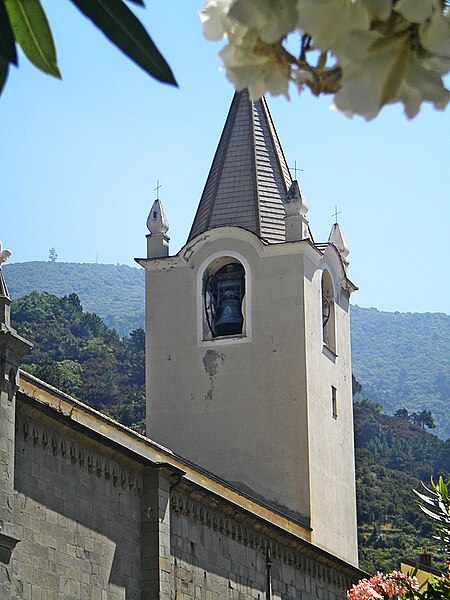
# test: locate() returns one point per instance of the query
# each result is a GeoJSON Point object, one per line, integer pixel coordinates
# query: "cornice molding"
{"type": "Point", "coordinates": [49, 440]}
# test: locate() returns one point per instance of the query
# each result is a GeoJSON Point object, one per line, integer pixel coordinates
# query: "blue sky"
{"type": "Point", "coordinates": [80, 159]}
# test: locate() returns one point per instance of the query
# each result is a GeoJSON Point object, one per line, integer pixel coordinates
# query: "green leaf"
{"type": "Point", "coordinates": [7, 43]}
{"type": "Point", "coordinates": [32, 32]}
{"type": "Point", "coordinates": [120, 25]}
{"type": "Point", "coordinates": [4, 68]}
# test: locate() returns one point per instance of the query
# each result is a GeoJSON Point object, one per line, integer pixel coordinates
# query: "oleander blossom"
{"type": "Point", "coordinates": [394, 585]}
{"type": "Point", "coordinates": [253, 58]}
{"type": "Point", "coordinates": [368, 53]}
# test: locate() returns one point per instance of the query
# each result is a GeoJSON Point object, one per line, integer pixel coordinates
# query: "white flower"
{"type": "Point", "coordinates": [435, 38]}
{"type": "Point", "coordinates": [382, 59]}
{"type": "Point", "coordinates": [416, 11]}
{"type": "Point", "coordinates": [214, 18]}
{"type": "Point", "coordinates": [381, 8]}
{"type": "Point", "coordinates": [388, 70]}
{"type": "Point", "coordinates": [261, 72]}
{"type": "Point", "coordinates": [327, 20]}
{"type": "Point", "coordinates": [419, 85]}
{"type": "Point", "coordinates": [273, 19]}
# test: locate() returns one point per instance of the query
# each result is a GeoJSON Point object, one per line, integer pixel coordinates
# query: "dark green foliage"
{"type": "Point", "coordinates": [392, 457]}
{"type": "Point", "coordinates": [75, 352]}
{"type": "Point", "coordinates": [403, 414]}
{"type": "Point", "coordinates": [402, 361]}
{"type": "Point", "coordinates": [119, 24]}
{"type": "Point", "coordinates": [423, 419]}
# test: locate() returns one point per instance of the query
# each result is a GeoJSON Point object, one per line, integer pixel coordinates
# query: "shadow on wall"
{"type": "Point", "coordinates": [78, 513]}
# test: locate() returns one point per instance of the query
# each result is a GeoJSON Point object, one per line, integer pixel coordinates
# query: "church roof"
{"type": "Point", "coordinates": [249, 175]}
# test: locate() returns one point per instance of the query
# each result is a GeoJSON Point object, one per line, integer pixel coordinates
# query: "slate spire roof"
{"type": "Point", "coordinates": [249, 175]}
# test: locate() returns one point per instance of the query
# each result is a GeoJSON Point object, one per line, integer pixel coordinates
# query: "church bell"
{"type": "Point", "coordinates": [225, 290]}
{"type": "Point", "coordinates": [230, 320]}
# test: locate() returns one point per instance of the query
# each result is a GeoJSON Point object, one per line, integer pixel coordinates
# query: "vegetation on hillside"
{"type": "Point", "coordinates": [393, 456]}
{"type": "Point", "coordinates": [401, 359]}
{"type": "Point", "coordinates": [77, 353]}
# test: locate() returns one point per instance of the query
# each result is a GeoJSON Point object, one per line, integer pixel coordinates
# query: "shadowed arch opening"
{"type": "Point", "coordinates": [328, 312]}
{"type": "Point", "coordinates": [223, 299]}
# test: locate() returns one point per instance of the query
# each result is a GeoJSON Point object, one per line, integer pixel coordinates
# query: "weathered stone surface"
{"type": "Point", "coordinates": [80, 528]}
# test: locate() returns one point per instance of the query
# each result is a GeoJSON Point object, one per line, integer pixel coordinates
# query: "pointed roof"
{"type": "Point", "coordinates": [249, 175]}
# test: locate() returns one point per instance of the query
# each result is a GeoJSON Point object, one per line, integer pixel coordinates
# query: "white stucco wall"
{"type": "Point", "coordinates": [331, 445]}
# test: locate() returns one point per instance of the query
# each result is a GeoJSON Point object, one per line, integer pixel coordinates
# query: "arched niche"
{"type": "Point", "coordinates": [223, 302]}
{"type": "Point", "coordinates": [328, 312]}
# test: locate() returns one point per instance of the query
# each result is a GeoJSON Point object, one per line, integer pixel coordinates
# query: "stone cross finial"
{"type": "Point", "coordinates": [157, 188]}
{"type": "Point", "coordinates": [336, 213]}
{"type": "Point", "coordinates": [295, 169]}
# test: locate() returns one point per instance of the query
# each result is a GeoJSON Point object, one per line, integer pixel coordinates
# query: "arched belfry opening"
{"type": "Point", "coordinates": [328, 312]}
{"type": "Point", "coordinates": [223, 290]}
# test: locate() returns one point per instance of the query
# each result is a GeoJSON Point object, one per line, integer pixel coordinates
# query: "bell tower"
{"type": "Point", "coordinates": [248, 338]}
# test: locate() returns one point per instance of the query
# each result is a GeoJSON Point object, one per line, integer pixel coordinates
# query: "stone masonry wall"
{"type": "Point", "coordinates": [78, 517]}
{"type": "Point", "coordinates": [214, 556]}
{"type": "Point", "coordinates": [94, 524]}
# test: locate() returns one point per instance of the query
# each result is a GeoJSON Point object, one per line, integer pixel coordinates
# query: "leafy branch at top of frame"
{"type": "Point", "coordinates": [25, 23]}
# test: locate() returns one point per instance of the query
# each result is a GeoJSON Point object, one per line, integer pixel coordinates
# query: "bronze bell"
{"type": "Point", "coordinates": [230, 320]}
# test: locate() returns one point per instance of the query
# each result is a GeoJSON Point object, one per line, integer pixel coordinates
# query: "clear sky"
{"type": "Point", "coordinates": [79, 160]}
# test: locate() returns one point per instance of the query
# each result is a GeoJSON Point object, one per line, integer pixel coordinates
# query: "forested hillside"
{"type": "Point", "coordinates": [114, 292]}
{"type": "Point", "coordinates": [77, 353]}
{"type": "Point", "coordinates": [392, 458]}
{"type": "Point", "coordinates": [401, 359]}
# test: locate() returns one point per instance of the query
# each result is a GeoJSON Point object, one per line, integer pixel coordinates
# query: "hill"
{"type": "Point", "coordinates": [401, 359]}
{"type": "Point", "coordinates": [114, 292]}
{"type": "Point", "coordinates": [77, 353]}
{"type": "Point", "coordinates": [392, 458]}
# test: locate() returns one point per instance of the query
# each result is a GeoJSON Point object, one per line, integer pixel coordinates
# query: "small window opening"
{"type": "Point", "coordinates": [224, 293]}
{"type": "Point", "coordinates": [334, 408]}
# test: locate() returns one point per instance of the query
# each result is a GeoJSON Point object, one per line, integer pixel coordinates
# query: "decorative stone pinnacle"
{"type": "Point", "coordinates": [4, 255]}
{"type": "Point", "coordinates": [294, 202]}
{"type": "Point", "coordinates": [337, 238]}
{"type": "Point", "coordinates": [157, 222]}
